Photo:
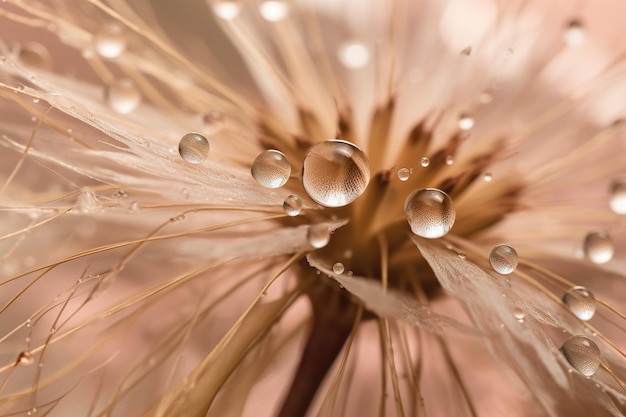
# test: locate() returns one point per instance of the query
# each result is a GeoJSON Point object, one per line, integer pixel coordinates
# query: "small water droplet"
{"type": "Point", "coordinates": [404, 174]}
{"type": "Point", "coordinates": [335, 173]}
{"type": "Point", "coordinates": [110, 40]}
{"type": "Point", "coordinates": [574, 33]}
{"type": "Point", "coordinates": [581, 302]}
{"type": "Point", "coordinates": [338, 268]}
{"type": "Point", "coordinates": [503, 259]}
{"type": "Point", "coordinates": [35, 55]}
{"type": "Point", "coordinates": [292, 205]}
{"type": "Point", "coordinates": [274, 10]}
{"type": "Point", "coordinates": [430, 212]}
{"type": "Point", "coordinates": [583, 354]}
{"type": "Point", "coordinates": [519, 314]}
{"type": "Point", "coordinates": [449, 160]}
{"type": "Point", "coordinates": [424, 162]}
{"type": "Point", "coordinates": [354, 55]}
{"type": "Point", "coordinates": [271, 169]}
{"type": "Point", "coordinates": [227, 9]}
{"type": "Point", "coordinates": [25, 358]}
{"type": "Point", "coordinates": [318, 235]}
{"type": "Point", "coordinates": [598, 247]}
{"type": "Point", "coordinates": [134, 207]}
{"type": "Point", "coordinates": [618, 197]}
{"type": "Point", "coordinates": [87, 202]}
{"type": "Point", "coordinates": [35, 100]}
{"type": "Point", "coordinates": [466, 122]}
{"type": "Point", "coordinates": [122, 96]}
{"type": "Point", "coordinates": [28, 323]}
{"type": "Point", "coordinates": [194, 148]}
{"type": "Point", "coordinates": [488, 177]}
{"type": "Point", "coordinates": [213, 121]}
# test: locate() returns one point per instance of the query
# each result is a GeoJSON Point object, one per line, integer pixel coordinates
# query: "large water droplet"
{"type": "Point", "coordinates": [430, 212]}
{"type": "Point", "coordinates": [581, 302]}
{"type": "Point", "coordinates": [354, 55]}
{"type": "Point", "coordinates": [110, 40]}
{"type": "Point", "coordinates": [583, 354]}
{"type": "Point", "coordinates": [292, 205]}
{"type": "Point", "coordinates": [271, 169]}
{"type": "Point", "coordinates": [503, 259]}
{"type": "Point", "coordinates": [335, 173]}
{"type": "Point", "coordinates": [404, 174]}
{"type": "Point", "coordinates": [274, 10]}
{"type": "Point", "coordinates": [598, 247]}
{"type": "Point", "coordinates": [618, 197]}
{"type": "Point", "coordinates": [574, 33]}
{"type": "Point", "coordinates": [338, 268]}
{"type": "Point", "coordinates": [194, 148]}
{"type": "Point", "coordinates": [227, 9]}
{"type": "Point", "coordinates": [123, 96]}
{"type": "Point", "coordinates": [318, 235]}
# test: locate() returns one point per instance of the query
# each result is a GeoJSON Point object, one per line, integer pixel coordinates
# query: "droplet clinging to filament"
{"type": "Point", "coordinates": [583, 354]}
{"type": "Point", "coordinates": [581, 302]}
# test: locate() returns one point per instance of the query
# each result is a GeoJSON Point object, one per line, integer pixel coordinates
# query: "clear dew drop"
{"type": "Point", "coordinates": [87, 202]}
{"type": "Point", "coordinates": [293, 205]}
{"type": "Point", "coordinates": [519, 314]}
{"type": "Point", "coordinates": [25, 358]}
{"type": "Point", "coordinates": [318, 235]}
{"type": "Point", "coordinates": [354, 55]}
{"type": "Point", "coordinates": [194, 148]}
{"type": "Point", "coordinates": [110, 40]}
{"type": "Point", "coordinates": [335, 173]}
{"type": "Point", "coordinates": [583, 354]}
{"type": "Point", "coordinates": [227, 9]}
{"type": "Point", "coordinates": [338, 268]}
{"type": "Point", "coordinates": [424, 162]}
{"type": "Point", "coordinates": [574, 33]}
{"type": "Point", "coordinates": [274, 10]}
{"type": "Point", "coordinates": [404, 174]}
{"type": "Point", "coordinates": [123, 96]}
{"type": "Point", "coordinates": [598, 247]}
{"type": "Point", "coordinates": [466, 122]}
{"type": "Point", "coordinates": [271, 169]}
{"type": "Point", "coordinates": [503, 259]}
{"type": "Point", "coordinates": [449, 160]}
{"type": "Point", "coordinates": [618, 197]}
{"type": "Point", "coordinates": [581, 302]}
{"type": "Point", "coordinates": [430, 212]}
{"type": "Point", "coordinates": [488, 177]}
{"type": "Point", "coordinates": [35, 55]}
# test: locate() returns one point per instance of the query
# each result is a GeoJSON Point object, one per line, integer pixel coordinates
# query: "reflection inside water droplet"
{"type": "Point", "coordinates": [583, 354]}
{"type": "Point", "coordinates": [581, 302]}
{"type": "Point", "coordinates": [503, 259]}
{"type": "Point", "coordinates": [430, 212]}
{"type": "Point", "coordinates": [194, 148]}
{"type": "Point", "coordinates": [271, 169]}
{"type": "Point", "coordinates": [292, 205]}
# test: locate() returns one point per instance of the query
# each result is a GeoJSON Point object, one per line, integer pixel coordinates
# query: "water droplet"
{"type": "Point", "coordinates": [581, 302]}
{"type": "Point", "coordinates": [122, 96]}
{"type": "Point", "coordinates": [598, 247]}
{"type": "Point", "coordinates": [335, 173]}
{"type": "Point", "coordinates": [519, 314]}
{"type": "Point", "coordinates": [618, 197]}
{"type": "Point", "coordinates": [449, 160]}
{"type": "Point", "coordinates": [404, 174]}
{"type": "Point", "coordinates": [424, 162]}
{"type": "Point", "coordinates": [271, 169]}
{"type": "Point", "coordinates": [25, 358]}
{"type": "Point", "coordinates": [574, 33]}
{"type": "Point", "coordinates": [466, 122]}
{"type": "Point", "coordinates": [503, 259]}
{"type": "Point", "coordinates": [87, 202]}
{"type": "Point", "coordinates": [292, 205]}
{"type": "Point", "coordinates": [354, 55]}
{"type": "Point", "coordinates": [318, 235]}
{"type": "Point", "coordinates": [338, 268]}
{"type": "Point", "coordinates": [430, 212]}
{"type": "Point", "coordinates": [35, 100]}
{"type": "Point", "coordinates": [35, 55]}
{"type": "Point", "coordinates": [134, 207]}
{"type": "Point", "coordinates": [227, 9]}
{"type": "Point", "coordinates": [583, 354]}
{"type": "Point", "coordinates": [274, 10]}
{"type": "Point", "coordinates": [213, 121]}
{"type": "Point", "coordinates": [110, 40]}
{"type": "Point", "coordinates": [488, 177]}
{"type": "Point", "coordinates": [194, 148]}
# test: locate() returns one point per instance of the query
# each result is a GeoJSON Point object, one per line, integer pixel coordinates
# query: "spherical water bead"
{"type": "Point", "coordinates": [122, 96]}
{"type": "Point", "coordinates": [354, 55]}
{"type": "Point", "coordinates": [598, 247]}
{"type": "Point", "coordinates": [110, 40]}
{"type": "Point", "coordinates": [466, 122]}
{"type": "Point", "coordinates": [503, 259]}
{"type": "Point", "coordinates": [488, 177]}
{"type": "Point", "coordinates": [335, 173]}
{"type": "Point", "coordinates": [292, 205]}
{"type": "Point", "coordinates": [271, 169]}
{"type": "Point", "coordinates": [581, 302]}
{"type": "Point", "coordinates": [574, 33]}
{"type": "Point", "coordinates": [318, 235]}
{"type": "Point", "coordinates": [449, 160]}
{"type": "Point", "coordinates": [35, 55]}
{"type": "Point", "coordinates": [227, 9]}
{"type": "Point", "coordinates": [25, 358]}
{"type": "Point", "coordinates": [519, 314]}
{"type": "Point", "coordinates": [424, 162]}
{"type": "Point", "coordinates": [194, 148]}
{"type": "Point", "coordinates": [274, 10]}
{"type": "Point", "coordinates": [404, 174]}
{"type": "Point", "coordinates": [583, 354]}
{"type": "Point", "coordinates": [618, 197]}
{"type": "Point", "coordinates": [430, 212]}
{"type": "Point", "coordinates": [338, 268]}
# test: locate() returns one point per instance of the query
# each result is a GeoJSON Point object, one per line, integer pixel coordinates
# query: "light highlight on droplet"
{"type": "Point", "coordinates": [503, 259]}
{"type": "Point", "coordinates": [292, 205]}
{"type": "Point", "coordinates": [271, 169]}
{"type": "Point", "coordinates": [194, 148]}
{"type": "Point", "coordinates": [430, 212]}
{"type": "Point", "coordinates": [598, 247]}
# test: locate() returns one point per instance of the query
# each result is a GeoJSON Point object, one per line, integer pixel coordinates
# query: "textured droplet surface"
{"type": "Point", "coordinates": [292, 205]}
{"type": "Point", "coordinates": [227, 9]}
{"type": "Point", "coordinates": [354, 55]}
{"type": "Point", "coordinates": [404, 174]}
{"type": "Point", "coordinates": [618, 197]}
{"type": "Point", "coordinates": [274, 10]}
{"type": "Point", "coordinates": [503, 259]}
{"type": "Point", "coordinates": [338, 268]}
{"type": "Point", "coordinates": [430, 212]}
{"type": "Point", "coordinates": [598, 247]}
{"type": "Point", "coordinates": [318, 235]}
{"type": "Point", "coordinates": [335, 173]}
{"type": "Point", "coordinates": [122, 96]}
{"type": "Point", "coordinates": [574, 33]}
{"type": "Point", "coordinates": [194, 148]}
{"type": "Point", "coordinates": [271, 169]}
{"type": "Point", "coordinates": [581, 302]}
{"type": "Point", "coordinates": [110, 40]}
{"type": "Point", "coordinates": [424, 162]}
{"type": "Point", "coordinates": [583, 354]}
